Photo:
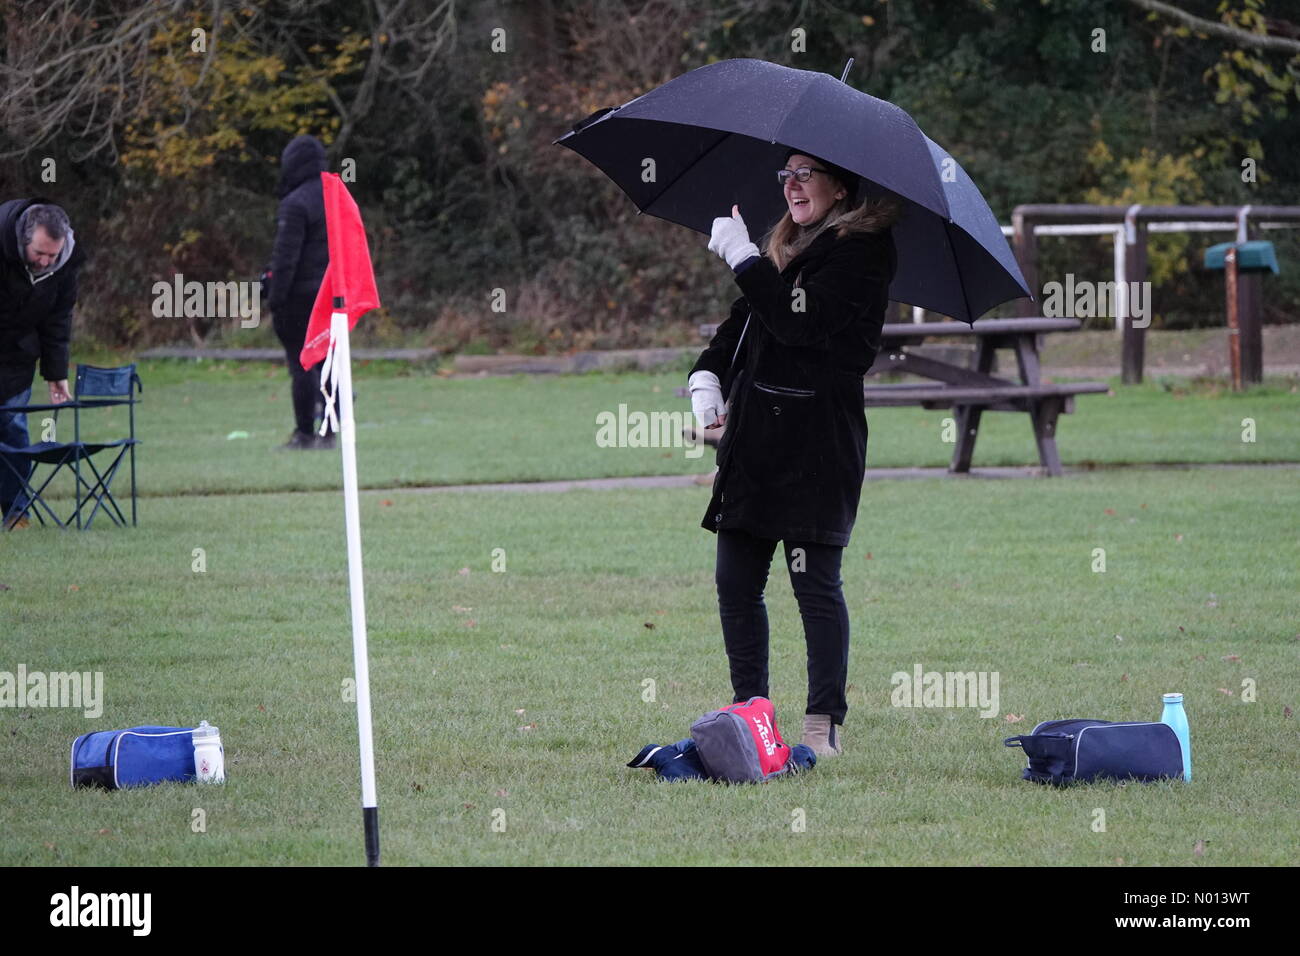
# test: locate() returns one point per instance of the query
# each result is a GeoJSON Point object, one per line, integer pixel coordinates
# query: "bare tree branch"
{"type": "Point", "coordinates": [1261, 41]}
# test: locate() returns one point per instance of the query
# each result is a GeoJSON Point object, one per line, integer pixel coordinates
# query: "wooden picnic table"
{"type": "Point", "coordinates": [970, 389]}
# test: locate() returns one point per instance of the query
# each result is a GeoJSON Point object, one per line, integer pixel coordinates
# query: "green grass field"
{"type": "Point", "coordinates": [524, 690]}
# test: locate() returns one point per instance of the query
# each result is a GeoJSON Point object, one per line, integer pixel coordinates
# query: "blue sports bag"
{"type": "Point", "coordinates": [1062, 752]}
{"type": "Point", "coordinates": [114, 759]}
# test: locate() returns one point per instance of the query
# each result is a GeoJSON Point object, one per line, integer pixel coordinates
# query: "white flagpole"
{"type": "Point", "coordinates": [341, 366]}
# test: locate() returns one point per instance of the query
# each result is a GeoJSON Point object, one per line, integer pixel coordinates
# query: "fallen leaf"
{"type": "Point", "coordinates": [1287, 711]}
{"type": "Point", "coordinates": [661, 612]}
{"type": "Point", "coordinates": [1224, 690]}
{"type": "Point", "coordinates": [5, 587]}
{"type": "Point", "coordinates": [104, 832]}
{"type": "Point", "coordinates": [471, 623]}
{"type": "Point", "coordinates": [503, 792]}
{"type": "Point", "coordinates": [1181, 629]}
{"type": "Point", "coordinates": [1014, 718]}
{"type": "Point", "coordinates": [417, 787]}
{"type": "Point", "coordinates": [461, 610]}
{"type": "Point", "coordinates": [387, 502]}
{"type": "Point", "coordinates": [1178, 537]}
{"type": "Point", "coordinates": [1110, 511]}
{"type": "Point", "coordinates": [73, 587]}
{"type": "Point", "coordinates": [463, 572]}
{"type": "Point", "coordinates": [468, 806]}
{"type": "Point", "coordinates": [1118, 638]}
{"type": "Point", "coordinates": [1142, 506]}
{"type": "Point", "coordinates": [1123, 678]}
{"type": "Point", "coordinates": [650, 624]}
{"type": "Point", "coordinates": [49, 846]}
{"type": "Point", "coordinates": [519, 711]}
{"type": "Point", "coordinates": [262, 708]}
{"type": "Point", "coordinates": [1199, 657]}
{"type": "Point", "coordinates": [868, 555]}
{"type": "Point", "coordinates": [532, 726]}
{"type": "Point", "coordinates": [1199, 848]}
{"type": "Point", "coordinates": [1232, 657]}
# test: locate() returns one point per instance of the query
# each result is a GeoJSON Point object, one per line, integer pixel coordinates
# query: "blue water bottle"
{"type": "Point", "coordinates": [1176, 717]}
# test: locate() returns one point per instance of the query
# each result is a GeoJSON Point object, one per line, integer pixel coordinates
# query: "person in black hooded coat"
{"type": "Point", "coordinates": [39, 265]}
{"type": "Point", "coordinates": [298, 264]}
{"type": "Point", "coordinates": [790, 358]}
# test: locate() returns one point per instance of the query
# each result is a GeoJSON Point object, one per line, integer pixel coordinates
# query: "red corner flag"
{"type": "Point", "coordinates": [348, 274]}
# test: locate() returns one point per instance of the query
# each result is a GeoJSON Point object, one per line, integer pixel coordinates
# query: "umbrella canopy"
{"type": "Point", "coordinates": [718, 134]}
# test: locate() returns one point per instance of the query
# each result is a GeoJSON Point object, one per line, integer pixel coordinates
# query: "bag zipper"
{"type": "Point", "coordinates": [1112, 726]}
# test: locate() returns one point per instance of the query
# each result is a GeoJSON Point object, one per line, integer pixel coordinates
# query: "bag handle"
{"type": "Point", "coordinates": [1015, 742]}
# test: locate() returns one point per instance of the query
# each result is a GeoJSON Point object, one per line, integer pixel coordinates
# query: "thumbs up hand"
{"type": "Point", "coordinates": [730, 239]}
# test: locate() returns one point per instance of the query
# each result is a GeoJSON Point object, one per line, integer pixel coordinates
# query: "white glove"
{"type": "Point", "coordinates": [706, 397]}
{"type": "Point", "coordinates": [731, 239]}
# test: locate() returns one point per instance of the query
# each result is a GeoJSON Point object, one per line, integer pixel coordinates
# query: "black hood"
{"type": "Point", "coordinates": [10, 213]}
{"type": "Point", "coordinates": [302, 159]}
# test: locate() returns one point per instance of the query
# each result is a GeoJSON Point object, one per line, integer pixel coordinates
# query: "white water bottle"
{"type": "Point", "coordinates": [209, 756]}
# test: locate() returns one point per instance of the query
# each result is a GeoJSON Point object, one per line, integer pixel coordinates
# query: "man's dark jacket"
{"type": "Point", "coordinates": [793, 454]}
{"type": "Point", "coordinates": [35, 317]}
{"type": "Point", "coordinates": [301, 246]}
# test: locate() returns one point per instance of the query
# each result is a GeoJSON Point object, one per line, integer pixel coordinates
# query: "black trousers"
{"type": "Point", "coordinates": [290, 323]}
{"type": "Point", "coordinates": [742, 569]}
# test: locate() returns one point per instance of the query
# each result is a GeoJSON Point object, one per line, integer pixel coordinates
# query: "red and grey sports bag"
{"type": "Point", "coordinates": [740, 743]}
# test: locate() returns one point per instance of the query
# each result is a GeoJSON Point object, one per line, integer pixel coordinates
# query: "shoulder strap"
{"type": "Point", "coordinates": [740, 341]}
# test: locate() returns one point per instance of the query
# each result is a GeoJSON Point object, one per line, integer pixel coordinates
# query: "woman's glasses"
{"type": "Point", "coordinates": [802, 174]}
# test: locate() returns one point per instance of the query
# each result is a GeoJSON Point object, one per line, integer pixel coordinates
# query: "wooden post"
{"type": "Point", "coordinates": [1250, 333]}
{"type": "Point", "coordinates": [1025, 247]}
{"type": "Point", "coordinates": [1234, 338]}
{"type": "Point", "coordinates": [1135, 270]}
{"type": "Point", "coordinates": [1250, 339]}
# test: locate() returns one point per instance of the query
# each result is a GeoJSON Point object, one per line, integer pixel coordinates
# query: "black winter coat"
{"type": "Point", "coordinates": [301, 245]}
{"type": "Point", "coordinates": [793, 454]}
{"type": "Point", "coordinates": [35, 317]}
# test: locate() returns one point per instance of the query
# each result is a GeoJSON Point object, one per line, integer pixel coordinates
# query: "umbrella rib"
{"type": "Point", "coordinates": [659, 195]}
{"type": "Point", "coordinates": [961, 282]}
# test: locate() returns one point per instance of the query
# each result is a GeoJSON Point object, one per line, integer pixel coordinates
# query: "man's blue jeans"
{"type": "Point", "coordinates": [13, 431]}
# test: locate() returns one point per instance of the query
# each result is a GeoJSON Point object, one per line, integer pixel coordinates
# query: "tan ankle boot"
{"type": "Point", "coordinates": [822, 735]}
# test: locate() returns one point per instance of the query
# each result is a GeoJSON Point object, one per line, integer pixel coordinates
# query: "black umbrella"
{"type": "Point", "coordinates": [686, 151]}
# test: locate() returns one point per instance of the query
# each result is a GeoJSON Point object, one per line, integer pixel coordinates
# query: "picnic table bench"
{"type": "Point", "coordinates": [970, 389]}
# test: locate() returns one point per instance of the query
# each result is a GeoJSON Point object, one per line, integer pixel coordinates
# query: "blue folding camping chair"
{"type": "Point", "coordinates": [95, 388]}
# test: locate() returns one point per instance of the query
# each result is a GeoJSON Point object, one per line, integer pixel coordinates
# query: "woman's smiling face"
{"type": "Point", "coordinates": [809, 202]}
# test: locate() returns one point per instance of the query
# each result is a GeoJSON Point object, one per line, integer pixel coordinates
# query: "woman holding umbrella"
{"type": "Point", "coordinates": [790, 358]}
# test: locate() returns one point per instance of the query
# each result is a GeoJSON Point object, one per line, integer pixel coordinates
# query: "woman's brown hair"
{"type": "Point", "coordinates": [847, 217]}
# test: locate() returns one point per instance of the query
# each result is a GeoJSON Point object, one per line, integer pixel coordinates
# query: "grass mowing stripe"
{"type": "Point", "coordinates": [427, 430]}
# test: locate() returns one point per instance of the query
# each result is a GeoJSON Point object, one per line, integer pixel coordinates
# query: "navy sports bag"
{"type": "Point", "coordinates": [1062, 752]}
{"type": "Point", "coordinates": [114, 759]}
